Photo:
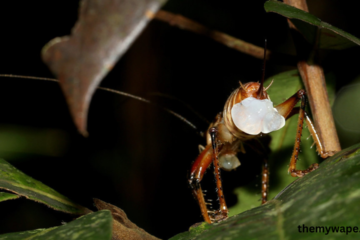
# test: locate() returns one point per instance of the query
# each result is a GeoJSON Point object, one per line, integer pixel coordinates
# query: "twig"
{"type": "Point", "coordinates": [315, 85]}
{"type": "Point", "coordinates": [223, 38]}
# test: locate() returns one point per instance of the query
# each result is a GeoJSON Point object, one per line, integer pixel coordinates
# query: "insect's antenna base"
{"type": "Point", "coordinates": [261, 88]}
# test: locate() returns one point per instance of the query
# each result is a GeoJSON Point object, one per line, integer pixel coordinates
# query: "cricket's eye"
{"type": "Point", "coordinates": [229, 162]}
{"type": "Point", "coordinates": [254, 116]}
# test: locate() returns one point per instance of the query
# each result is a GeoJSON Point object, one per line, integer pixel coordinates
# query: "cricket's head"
{"type": "Point", "coordinates": [255, 113]}
{"type": "Point", "coordinates": [254, 89]}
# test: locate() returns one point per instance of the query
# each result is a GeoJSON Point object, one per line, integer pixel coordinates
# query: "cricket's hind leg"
{"type": "Point", "coordinates": [287, 109]}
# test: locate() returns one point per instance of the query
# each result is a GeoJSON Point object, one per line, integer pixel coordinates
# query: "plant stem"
{"type": "Point", "coordinates": [223, 38]}
{"type": "Point", "coordinates": [315, 85]}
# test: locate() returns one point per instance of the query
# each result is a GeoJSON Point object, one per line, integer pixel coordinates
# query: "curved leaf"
{"type": "Point", "coordinates": [23, 235]}
{"type": "Point", "coordinates": [103, 33]}
{"type": "Point", "coordinates": [311, 27]}
{"type": "Point", "coordinates": [94, 226]}
{"type": "Point", "coordinates": [15, 181]}
{"type": "Point", "coordinates": [327, 197]}
{"type": "Point", "coordinates": [7, 196]}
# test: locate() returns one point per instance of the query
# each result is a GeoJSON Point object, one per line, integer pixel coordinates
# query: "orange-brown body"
{"type": "Point", "coordinates": [225, 139]}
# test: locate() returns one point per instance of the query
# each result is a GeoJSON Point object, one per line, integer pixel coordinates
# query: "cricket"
{"type": "Point", "coordinates": [248, 113]}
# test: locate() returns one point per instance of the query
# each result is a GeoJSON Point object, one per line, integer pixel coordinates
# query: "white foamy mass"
{"type": "Point", "coordinates": [254, 116]}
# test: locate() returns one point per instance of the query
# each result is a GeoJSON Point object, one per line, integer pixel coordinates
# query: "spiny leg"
{"type": "Point", "coordinates": [264, 181]}
{"type": "Point", "coordinates": [312, 130]}
{"type": "Point", "coordinates": [315, 136]}
{"type": "Point", "coordinates": [292, 168]}
{"type": "Point", "coordinates": [222, 213]}
{"type": "Point", "coordinates": [198, 169]}
{"type": "Point", "coordinates": [198, 193]}
{"type": "Point", "coordinates": [197, 172]}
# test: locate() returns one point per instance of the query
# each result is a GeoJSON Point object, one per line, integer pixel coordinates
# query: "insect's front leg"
{"type": "Point", "coordinates": [209, 155]}
{"type": "Point", "coordinates": [222, 213]}
{"type": "Point", "coordinates": [287, 110]}
{"type": "Point", "coordinates": [197, 172]}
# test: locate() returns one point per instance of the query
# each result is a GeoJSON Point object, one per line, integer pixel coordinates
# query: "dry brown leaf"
{"type": "Point", "coordinates": [123, 228]}
{"type": "Point", "coordinates": [104, 31]}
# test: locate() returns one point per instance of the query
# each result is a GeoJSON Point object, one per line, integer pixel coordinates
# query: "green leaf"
{"type": "Point", "coordinates": [193, 232]}
{"type": "Point", "coordinates": [15, 181]}
{"type": "Point", "coordinates": [7, 196]}
{"type": "Point", "coordinates": [282, 141]}
{"type": "Point", "coordinates": [330, 87]}
{"type": "Point", "coordinates": [24, 235]}
{"type": "Point", "coordinates": [327, 197]}
{"type": "Point", "coordinates": [284, 86]}
{"type": "Point", "coordinates": [17, 141]}
{"type": "Point", "coordinates": [346, 113]}
{"type": "Point", "coordinates": [94, 226]}
{"type": "Point", "coordinates": [330, 37]}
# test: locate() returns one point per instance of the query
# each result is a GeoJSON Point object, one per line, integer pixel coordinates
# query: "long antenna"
{"type": "Point", "coordinates": [186, 105]}
{"type": "Point", "coordinates": [113, 91]}
{"type": "Point", "coordinates": [261, 88]}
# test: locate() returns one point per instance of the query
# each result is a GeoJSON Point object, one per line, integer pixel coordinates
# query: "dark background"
{"type": "Point", "coordinates": [137, 157]}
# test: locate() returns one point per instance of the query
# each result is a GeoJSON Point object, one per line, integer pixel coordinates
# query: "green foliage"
{"type": "Point", "coordinates": [313, 29]}
{"type": "Point", "coordinates": [7, 196]}
{"type": "Point", "coordinates": [16, 181]}
{"type": "Point", "coordinates": [93, 226]}
{"type": "Point", "coordinates": [326, 197]}
{"type": "Point", "coordinates": [348, 114]}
